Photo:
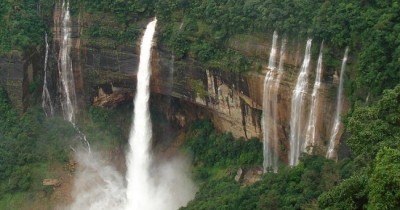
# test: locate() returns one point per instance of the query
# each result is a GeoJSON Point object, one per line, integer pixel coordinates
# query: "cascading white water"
{"type": "Point", "coordinates": [166, 186]}
{"type": "Point", "coordinates": [272, 55]}
{"type": "Point", "coordinates": [282, 55]}
{"type": "Point", "coordinates": [297, 109]}
{"type": "Point", "coordinates": [47, 104]}
{"type": "Point", "coordinates": [268, 117]}
{"type": "Point", "coordinates": [314, 110]}
{"type": "Point", "coordinates": [336, 126]}
{"type": "Point", "coordinates": [150, 185]}
{"type": "Point", "coordinates": [67, 80]}
{"type": "Point", "coordinates": [139, 195]}
{"type": "Point", "coordinates": [280, 72]}
{"type": "Point", "coordinates": [66, 74]}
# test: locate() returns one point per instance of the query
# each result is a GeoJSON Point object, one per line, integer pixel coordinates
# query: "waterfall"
{"type": "Point", "coordinates": [67, 80]}
{"type": "Point", "coordinates": [150, 184]}
{"type": "Point", "coordinates": [314, 110]}
{"type": "Point", "coordinates": [270, 138]}
{"type": "Point", "coordinates": [297, 109]}
{"type": "Point", "coordinates": [272, 55]}
{"type": "Point", "coordinates": [336, 126]}
{"type": "Point", "coordinates": [66, 73]}
{"type": "Point", "coordinates": [139, 159]}
{"type": "Point", "coordinates": [47, 104]}
{"type": "Point", "coordinates": [282, 55]}
{"type": "Point", "coordinates": [280, 70]}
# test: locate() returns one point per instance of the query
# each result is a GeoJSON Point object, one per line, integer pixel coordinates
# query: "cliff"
{"type": "Point", "coordinates": [233, 101]}
{"type": "Point", "coordinates": [105, 76]}
{"type": "Point", "coordinates": [19, 76]}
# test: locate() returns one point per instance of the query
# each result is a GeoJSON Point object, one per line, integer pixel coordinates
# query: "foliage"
{"type": "Point", "coordinates": [114, 23]}
{"type": "Point", "coordinates": [211, 149]}
{"type": "Point", "coordinates": [104, 127]}
{"type": "Point", "coordinates": [370, 28]}
{"type": "Point", "coordinates": [384, 182]}
{"type": "Point", "coordinates": [374, 140]}
{"type": "Point", "coordinates": [125, 11]}
{"type": "Point", "coordinates": [21, 25]}
{"type": "Point", "coordinates": [24, 142]}
{"type": "Point", "coordinates": [217, 157]}
{"type": "Point", "coordinates": [376, 126]}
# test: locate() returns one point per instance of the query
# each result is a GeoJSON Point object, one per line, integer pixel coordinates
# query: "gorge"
{"type": "Point", "coordinates": [235, 104]}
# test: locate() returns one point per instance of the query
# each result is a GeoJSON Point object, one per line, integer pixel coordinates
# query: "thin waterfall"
{"type": "Point", "coordinates": [297, 110]}
{"type": "Point", "coordinates": [67, 80]}
{"type": "Point", "coordinates": [139, 195]}
{"type": "Point", "coordinates": [336, 126]}
{"type": "Point", "coordinates": [274, 105]}
{"type": "Point", "coordinates": [47, 104]}
{"type": "Point", "coordinates": [66, 73]}
{"type": "Point", "coordinates": [314, 110]}
{"type": "Point", "coordinates": [272, 55]}
{"type": "Point", "coordinates": [282, 55]}
{"type": "Point", "coordinates": [269, 127]}
{"type": "Point", "coordinates": [280, 72]}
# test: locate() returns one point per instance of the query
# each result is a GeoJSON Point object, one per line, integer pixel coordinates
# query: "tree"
{"type": "Point", "coordinates": [375, 127]}
{"type": "Point", "coordinates": [384, 183]}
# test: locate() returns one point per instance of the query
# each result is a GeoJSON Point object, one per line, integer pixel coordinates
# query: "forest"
{"type": "Point", "coordinates": [201, 30]}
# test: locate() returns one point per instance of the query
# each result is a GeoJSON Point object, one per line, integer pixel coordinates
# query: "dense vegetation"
{"type": "Point", "coordinates": [217, 158]}
{"type": "Point", "coordinates": [28, 145]}
{"type": "Point", "coordinates": [370, 28]}
{"type": "Point", "coordinates": [32, 145]}
{"type": "Point", "coordinates": [369, 178]}
{"type": "Point", "coordinates": [202, 29]}
{"type": "Point", "coordinates": [375, 143]}
{"type": "Point", "coordinates": [23, 24]}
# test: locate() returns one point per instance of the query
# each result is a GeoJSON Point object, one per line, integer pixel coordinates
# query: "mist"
{"type": "Point", "coordinates": [98, 185]}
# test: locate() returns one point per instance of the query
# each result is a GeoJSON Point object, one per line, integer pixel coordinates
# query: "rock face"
{"type": "Point", "coordinates": [18, 74]}
{"type": "Point", "coordinates": [105, 76]}
{"type": "Point", "coordinates": [12, 78]}
{"type": "Point", "coordinates": [233, 101]}
{"type": "Point", "coordinates": [51, 182]}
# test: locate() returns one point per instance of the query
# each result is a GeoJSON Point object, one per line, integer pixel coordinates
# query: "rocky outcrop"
{"type": "Point", "coordinates": [18, 75]}
{"type": "Point", "coordinates": [233, 101]}
{"type": "Point", "coordinates": [12, 78]}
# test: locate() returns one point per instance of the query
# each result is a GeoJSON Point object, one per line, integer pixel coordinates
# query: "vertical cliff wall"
{"type": "Point", "coordinates": [233, 101]}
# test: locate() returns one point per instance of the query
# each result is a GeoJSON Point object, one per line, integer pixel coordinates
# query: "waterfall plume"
{"type": "Point", "coordinates": [146, 190]}
{"type": "Point", "coordinates": [297, 109]}
{"type": "Point", "coordinates": [47, 103]}
{"type": "Point", "coordinates": [150, 184]}
{"type": "Point", "coordinates": [270, 138]}
{"type": "Point", "coordinates": [314, 109]}
{"type": "Point", "coordinates": [336, 125]}
{"type": "Point", "coordinates": [66, 73]}
{"type": "Point", "coordinates": [67, 80]}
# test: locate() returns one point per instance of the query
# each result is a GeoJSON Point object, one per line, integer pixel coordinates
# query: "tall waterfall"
{"type": "Point", "coordinates": [270, 138]}
{"type": "Point", "coordinates": [297, 110]}
{"type": "Point", "coordinates": [336, 126]}
{"type": "Point", "coordinates": [66, 73]}
{"type": "Point", "coordinates": [47, 104]}
{"type": "Point", "coordinates": [67, 80]}
{"type": "Point", "coordinates": [314, 110]}
{"type": "Point", "coordinates": [150, 185]}
{"type": "Point", "coordinates": [139, 159]}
